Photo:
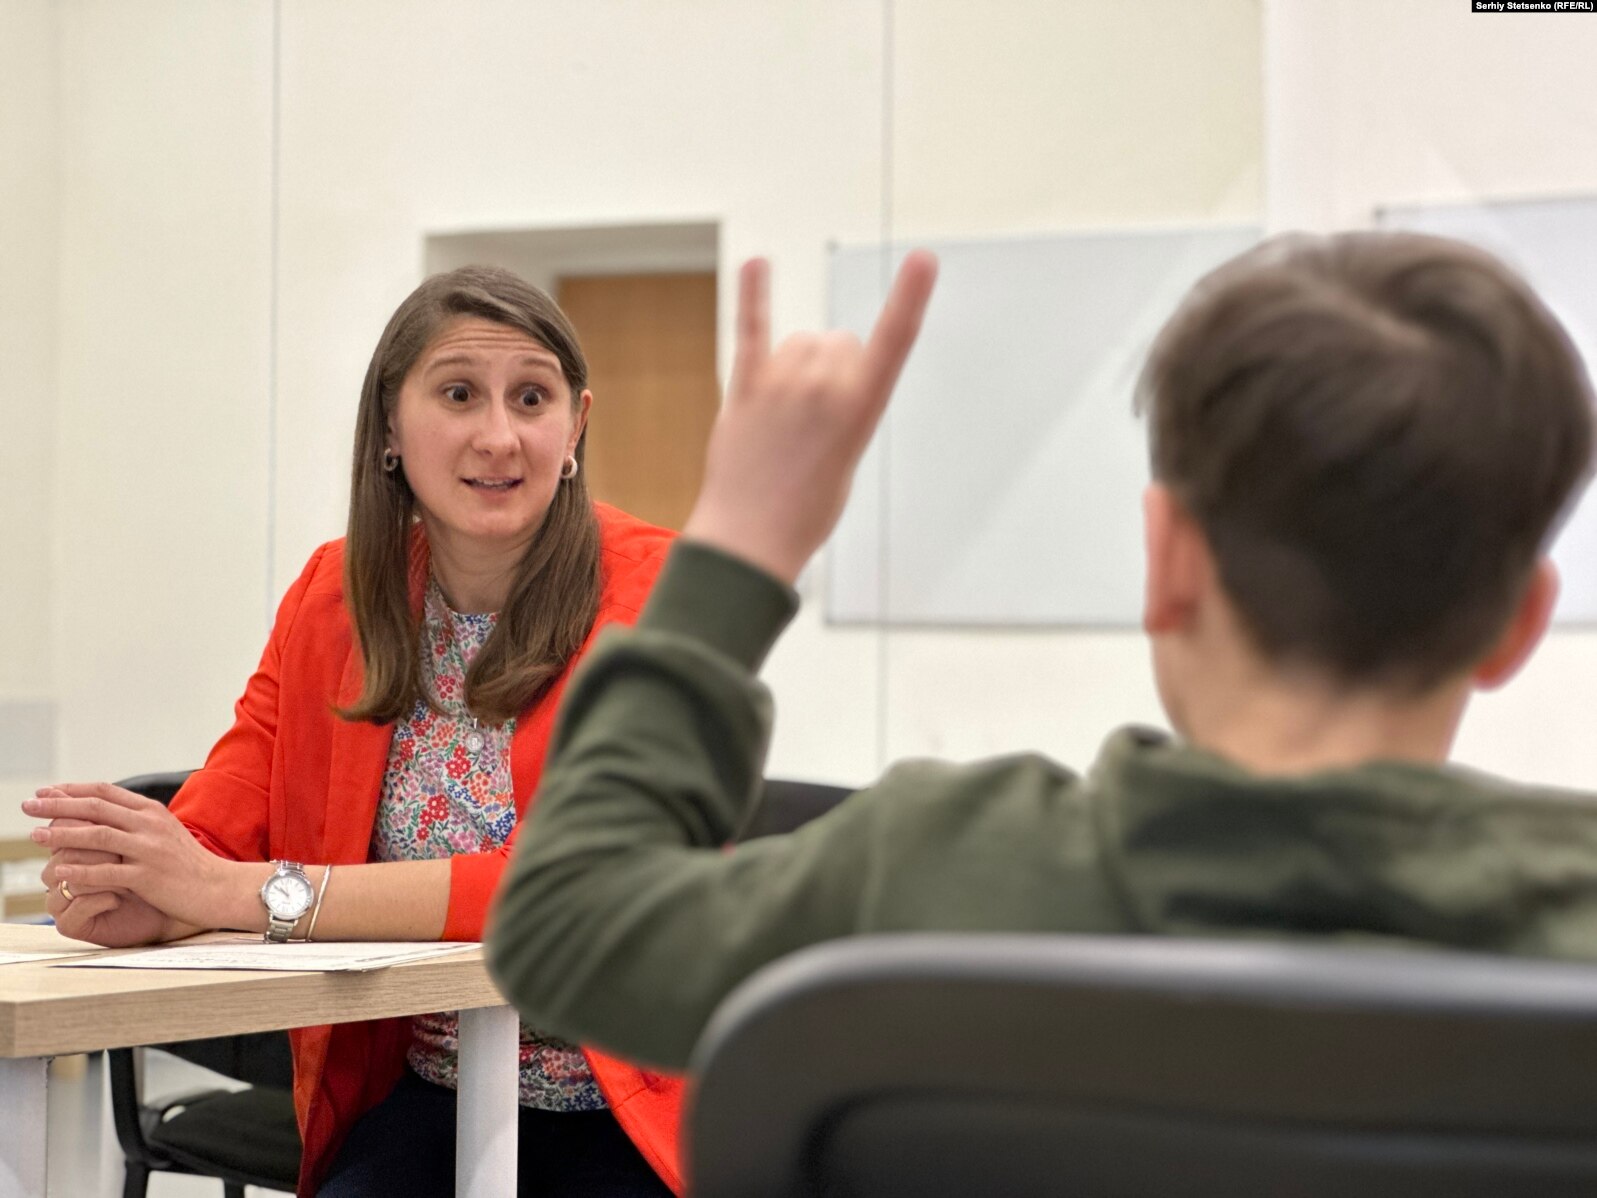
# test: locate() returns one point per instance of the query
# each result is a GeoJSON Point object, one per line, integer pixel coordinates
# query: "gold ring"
{"type": "Point", "coordinates": [65, 893]}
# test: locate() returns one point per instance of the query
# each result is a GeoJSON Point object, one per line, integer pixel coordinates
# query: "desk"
{"type": "Point", "coordinates": [47, 1012]}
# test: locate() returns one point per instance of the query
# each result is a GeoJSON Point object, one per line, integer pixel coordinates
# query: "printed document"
{"type": "Point", "coordinates": [251, 952]}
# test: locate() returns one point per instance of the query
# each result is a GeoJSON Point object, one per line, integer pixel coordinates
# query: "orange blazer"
{"type": "Point", "coordinates": [290, 780]}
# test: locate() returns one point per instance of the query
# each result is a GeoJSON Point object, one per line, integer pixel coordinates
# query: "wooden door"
{"type": "Point", "coordinates": [650, 342]}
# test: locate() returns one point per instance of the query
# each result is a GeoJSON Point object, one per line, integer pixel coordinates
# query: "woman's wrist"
{"type": "Point", "coordinates": [235, 894]}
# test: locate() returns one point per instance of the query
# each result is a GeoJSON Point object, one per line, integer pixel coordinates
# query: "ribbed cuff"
{"type": "Point", "coordinates": [722, 600]}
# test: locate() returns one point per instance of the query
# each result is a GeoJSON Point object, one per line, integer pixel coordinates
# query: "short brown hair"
{"type": "Point", "coordinates": [1378, 434]}
{"type": "Point", "coordinates": [554, 596]}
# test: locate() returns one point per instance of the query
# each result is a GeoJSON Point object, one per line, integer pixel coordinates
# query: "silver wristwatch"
{"type": "Point", "coordinates": [287, 895]}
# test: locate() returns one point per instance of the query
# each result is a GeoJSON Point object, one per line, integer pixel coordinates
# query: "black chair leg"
{"type": "Point", "coordinates": [136, 1181]}
{"type": "Point", "coordinates": [229, 1190]}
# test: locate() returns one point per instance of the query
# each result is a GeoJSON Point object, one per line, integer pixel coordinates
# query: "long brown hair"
{"type": "Point", "coordinates": [554, 595]}
{"type": "Point", "coordinates": [1378, 433]}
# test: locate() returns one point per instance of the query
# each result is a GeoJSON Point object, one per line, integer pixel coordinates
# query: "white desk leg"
{"type": "Point", "coordinates": [486, 1120]}
{"type": "Point", "coordinates": [83, 1141]}
{"type": "Point", "coordinates": [22, 1125]}
{"type": "Point", "coordinates": [109, 1171]}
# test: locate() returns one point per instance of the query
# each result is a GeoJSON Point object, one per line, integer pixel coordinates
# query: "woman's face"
{"type": "Point", "coordinates": [483, 425]}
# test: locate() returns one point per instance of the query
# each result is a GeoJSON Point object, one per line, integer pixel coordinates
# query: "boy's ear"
{"type": "Point", "coordinates": [1177, 560]}
{"type": "Point", "coordinates": [1525, 629]}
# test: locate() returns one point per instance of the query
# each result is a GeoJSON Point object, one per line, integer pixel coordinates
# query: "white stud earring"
{"type": "Point", "coordinates": [569, 469]}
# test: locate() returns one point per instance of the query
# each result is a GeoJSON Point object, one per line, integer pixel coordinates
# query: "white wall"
{"type": "Point", "coordinates": [1372, 103]}
{"type": "Point", "coordinates": [28, 197]}
{"type": "Point", "coordinates": [161, 442]}
{"type": "Point", "coordinates": [29, 192]}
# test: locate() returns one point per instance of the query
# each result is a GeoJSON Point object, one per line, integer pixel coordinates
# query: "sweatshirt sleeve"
{"type": "Point", "coordinates": [623, 922]}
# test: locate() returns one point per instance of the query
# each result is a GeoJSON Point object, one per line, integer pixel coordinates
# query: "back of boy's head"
{"type": "Point", "coordinates": [1378, 434]}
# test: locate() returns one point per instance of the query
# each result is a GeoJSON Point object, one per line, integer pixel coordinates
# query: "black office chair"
{"type": "Point", "coordinates": [785, 804]}
{"type": "Point", "coordinates": [1092, 1067]}
{"type": "Point", "coordinates": [244, 1137]}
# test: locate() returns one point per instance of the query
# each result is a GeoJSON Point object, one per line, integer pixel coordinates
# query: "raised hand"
{"type": "Point", "coordinates": [795, 422]}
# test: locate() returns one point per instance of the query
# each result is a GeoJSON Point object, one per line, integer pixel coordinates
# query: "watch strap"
{"type": "Point", "coordinates": [277, 930]}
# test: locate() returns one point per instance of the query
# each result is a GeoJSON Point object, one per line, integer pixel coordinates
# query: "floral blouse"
{"type": "Point", "coordinates": [447, 790]}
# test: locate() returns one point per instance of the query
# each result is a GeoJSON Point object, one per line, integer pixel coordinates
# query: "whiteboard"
{"type": "Point", "coordinates": [1004, 487]}
{"type": "Point", "coordinates": [1553, 243]}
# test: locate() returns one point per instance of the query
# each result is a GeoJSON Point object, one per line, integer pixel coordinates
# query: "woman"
{"type": "Point", "coordinates": [395, 729]}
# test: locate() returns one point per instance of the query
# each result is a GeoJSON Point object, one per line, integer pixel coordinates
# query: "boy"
{"type": "Point", "coordinates": [1361, 446]}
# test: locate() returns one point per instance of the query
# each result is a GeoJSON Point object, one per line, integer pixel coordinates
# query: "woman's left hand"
{"type": "Point", "coordinates": [161, 862]}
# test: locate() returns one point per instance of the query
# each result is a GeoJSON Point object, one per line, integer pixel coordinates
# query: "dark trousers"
{"type": "Point", "coordinates": [405, 1146]}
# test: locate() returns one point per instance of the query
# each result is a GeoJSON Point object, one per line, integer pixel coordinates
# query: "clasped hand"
{"type": "Point", "coordinates": [132, 873]}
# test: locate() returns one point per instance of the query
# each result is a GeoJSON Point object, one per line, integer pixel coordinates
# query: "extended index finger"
{"type": "Point", "coordinates": [753, 322]}
{"type": "Point", "coordinates": [899, 324]}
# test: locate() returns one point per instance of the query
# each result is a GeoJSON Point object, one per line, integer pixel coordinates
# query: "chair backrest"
{"type": "Point", "coordinates": [786, 804]}
{"type": "Point", "coordinates": [160, 787]}
{"type": "Point", "coordinates": [1140, 1067]}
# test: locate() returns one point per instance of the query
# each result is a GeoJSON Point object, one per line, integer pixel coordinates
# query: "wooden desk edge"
{"type": "Point", "coordinates": [156, 1006]}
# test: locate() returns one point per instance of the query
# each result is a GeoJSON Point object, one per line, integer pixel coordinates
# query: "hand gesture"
{"type": "Point", "coordinates": [783, 450]}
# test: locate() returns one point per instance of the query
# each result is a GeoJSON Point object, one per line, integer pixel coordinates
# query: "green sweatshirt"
{"type": "Point", "coordinates": [623, 921]}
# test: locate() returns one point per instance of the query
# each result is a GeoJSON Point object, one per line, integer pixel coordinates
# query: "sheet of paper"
{"type": "Point", "coordinates": [25, 958]}
{"type": "Point", "coordinates": [330, 956]}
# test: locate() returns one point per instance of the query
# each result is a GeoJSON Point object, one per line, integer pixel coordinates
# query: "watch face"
{"type": "Point", "coordinates": [288, 896]}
